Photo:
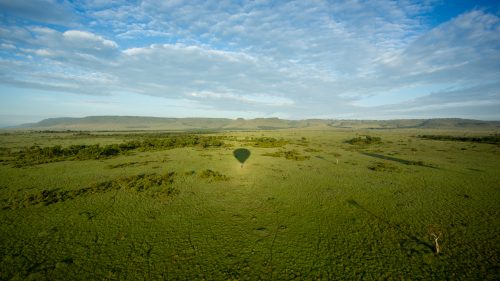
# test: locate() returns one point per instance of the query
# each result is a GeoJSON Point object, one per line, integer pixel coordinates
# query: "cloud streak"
{"type": "Point", "coordinates": [300, 58]}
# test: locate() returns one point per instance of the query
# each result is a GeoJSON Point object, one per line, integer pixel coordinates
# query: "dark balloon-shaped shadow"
{"type": "Point", "coordinates": [241, 154]}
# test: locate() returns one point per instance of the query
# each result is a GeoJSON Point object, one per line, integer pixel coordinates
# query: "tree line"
{"type": "Point", "coordinates": [34, 155]}
{"type": "Point", "coordinates": [492, 139]}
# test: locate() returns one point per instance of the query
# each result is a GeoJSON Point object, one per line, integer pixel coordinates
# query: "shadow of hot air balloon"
{"type": "Point", "coordinates": [241, 154]}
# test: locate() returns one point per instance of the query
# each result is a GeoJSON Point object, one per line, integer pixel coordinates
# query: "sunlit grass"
{"type": "Point", "coordinates": [197, 213]}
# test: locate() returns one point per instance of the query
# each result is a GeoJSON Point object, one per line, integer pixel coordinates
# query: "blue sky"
{"type": "Point", "coordinates": [289, 59]}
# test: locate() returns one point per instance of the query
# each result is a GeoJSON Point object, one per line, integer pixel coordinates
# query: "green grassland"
{"type": "Point", "coordinates": [307, 204]}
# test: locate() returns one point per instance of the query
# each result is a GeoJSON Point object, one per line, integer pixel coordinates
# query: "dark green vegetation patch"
{"type": "Point", "coordinates": [364, 140]}
{"type": "Point", "coordinates": [265, 142]}
{"type": "Point", "coordinates": [493, 139]}
{"type": "Point", "coordinates": [383, 167]}
{"type": "Point", "coordinates": [138, 183]}
{"type": "Point", "coordinates": [212, 175]}
{"type": "Point", "coordinates": [38, 155]}
{"type": "Point", "coordinates": [288, 154]}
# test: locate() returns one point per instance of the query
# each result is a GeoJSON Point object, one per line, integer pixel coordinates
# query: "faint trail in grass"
{"type": "Point", "coordinates": [271, 248]}
{"type": "Point", "coordinates": [317, 250]}
{"type": "Point", "coordinates": [93, 213]}
{"type": "Point", "coordinates": [270, 261]}
{"type": "Point", "coordinates": [146, 253]}
{"type": "Point", "coordinates": [393, 226]}
{"type": "Point", "coordinates": [190, 240]}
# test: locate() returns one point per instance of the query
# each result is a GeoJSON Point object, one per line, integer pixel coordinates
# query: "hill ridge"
{"type": "Point", "coordinates": [117, 122]}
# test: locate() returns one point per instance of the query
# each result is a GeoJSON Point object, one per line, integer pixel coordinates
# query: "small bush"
{"type": "Point", "coordinates": [295, 155]}
{"type": "Point", "coordinates": [189, 173]}
{"type": "Point", "coordinates": [303, 142]}
{"type": "Point", "coordinates": [335, 154]}
{"type": "Point", "coordinates": [273, 154]}
{"type": "Point", "coordinates": [416, 163]}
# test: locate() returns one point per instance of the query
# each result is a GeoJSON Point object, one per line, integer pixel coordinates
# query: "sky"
{"type": "Point", "coordinates": [340, 59]}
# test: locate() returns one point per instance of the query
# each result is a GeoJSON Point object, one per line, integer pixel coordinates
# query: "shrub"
{"type": "Point", "coordinates": [364, 140]}
{"type": "Point", "coordinates": [383, 167]}
{"type": "Point", "coordinates": [212, 175]}
{"type": "Point", "coordinates": [290, 155]}
{"type": "Point", "coordinates": [267, 142]}
{"type": "Point", "coordinates": [312, 150]}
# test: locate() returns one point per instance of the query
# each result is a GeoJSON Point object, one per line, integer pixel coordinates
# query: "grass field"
{"type": "Point", "coordinates": [306, 205]}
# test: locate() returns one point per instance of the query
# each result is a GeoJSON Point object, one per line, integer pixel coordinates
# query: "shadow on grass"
{"type": "Point", "coordinates": [330, 161]}
{"type": "Point", "coordinates": [396, 227]}
{"type": "Point", "coordinates": [399, 160]}
{"type": "Point", "coordinates": [241, 154]}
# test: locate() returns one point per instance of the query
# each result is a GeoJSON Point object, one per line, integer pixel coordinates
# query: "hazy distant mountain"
{"type": "Point", "coordinates": [437, 123]}
{"type": "Point", "coordinates": [127, 123]}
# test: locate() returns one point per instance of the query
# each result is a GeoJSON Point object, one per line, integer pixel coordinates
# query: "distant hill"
{"type": "Point", "coordinates": [119, 123]}
{"type": "Point", "coordinates": [131, 123]}
{"type": "Point", "coordinates": [436, 123]}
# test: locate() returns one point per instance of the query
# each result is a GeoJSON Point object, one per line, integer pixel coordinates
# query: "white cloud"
{"type": "Point", "coordinates": [85, 39]}
{"type": "Point", "coordinates": [7, 46]}
{"type": "Point", "coordinates": [300, 58]}
{"type": "Point", "coordinates": [256, 99]}
{"type": "Point", "coordinates": [465, 49]}
{"type": "Point", "coordinates": [48, 11]}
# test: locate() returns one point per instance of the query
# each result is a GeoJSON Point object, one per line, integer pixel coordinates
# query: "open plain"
{"type": "Point", "coordinates": [330, 203]}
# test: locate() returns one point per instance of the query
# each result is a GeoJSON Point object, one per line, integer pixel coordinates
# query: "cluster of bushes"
{"type": "Point", "coordinates": [155, 185]}
{"type": "Point", "coordinates": [142, 182]}
{"type": "Point", "coordinates": [303, 141]}
{"type": "Point", "coordinates": [4, 151]}
{"type": "Point", "coordinates": [364, 140]}
{"type": "Point", "coordinates": [138, 183]}
{"type": "Point", "coordinates": [266, 142]}
{"type": "Point", "coordinates": [493, 139]}
{"type": "Point", "coordinates": [37, 155]}
{"type": "Point", "coordinates": [383, 167]}
{"type": "Point", "coordinates": [312, 150]}
{"type": "Point", "coordinates": [288, 154]}
{"type": "Point", "coordinates": [175, 141]}
{"type": "Point", "coordinates": [212, 175]}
